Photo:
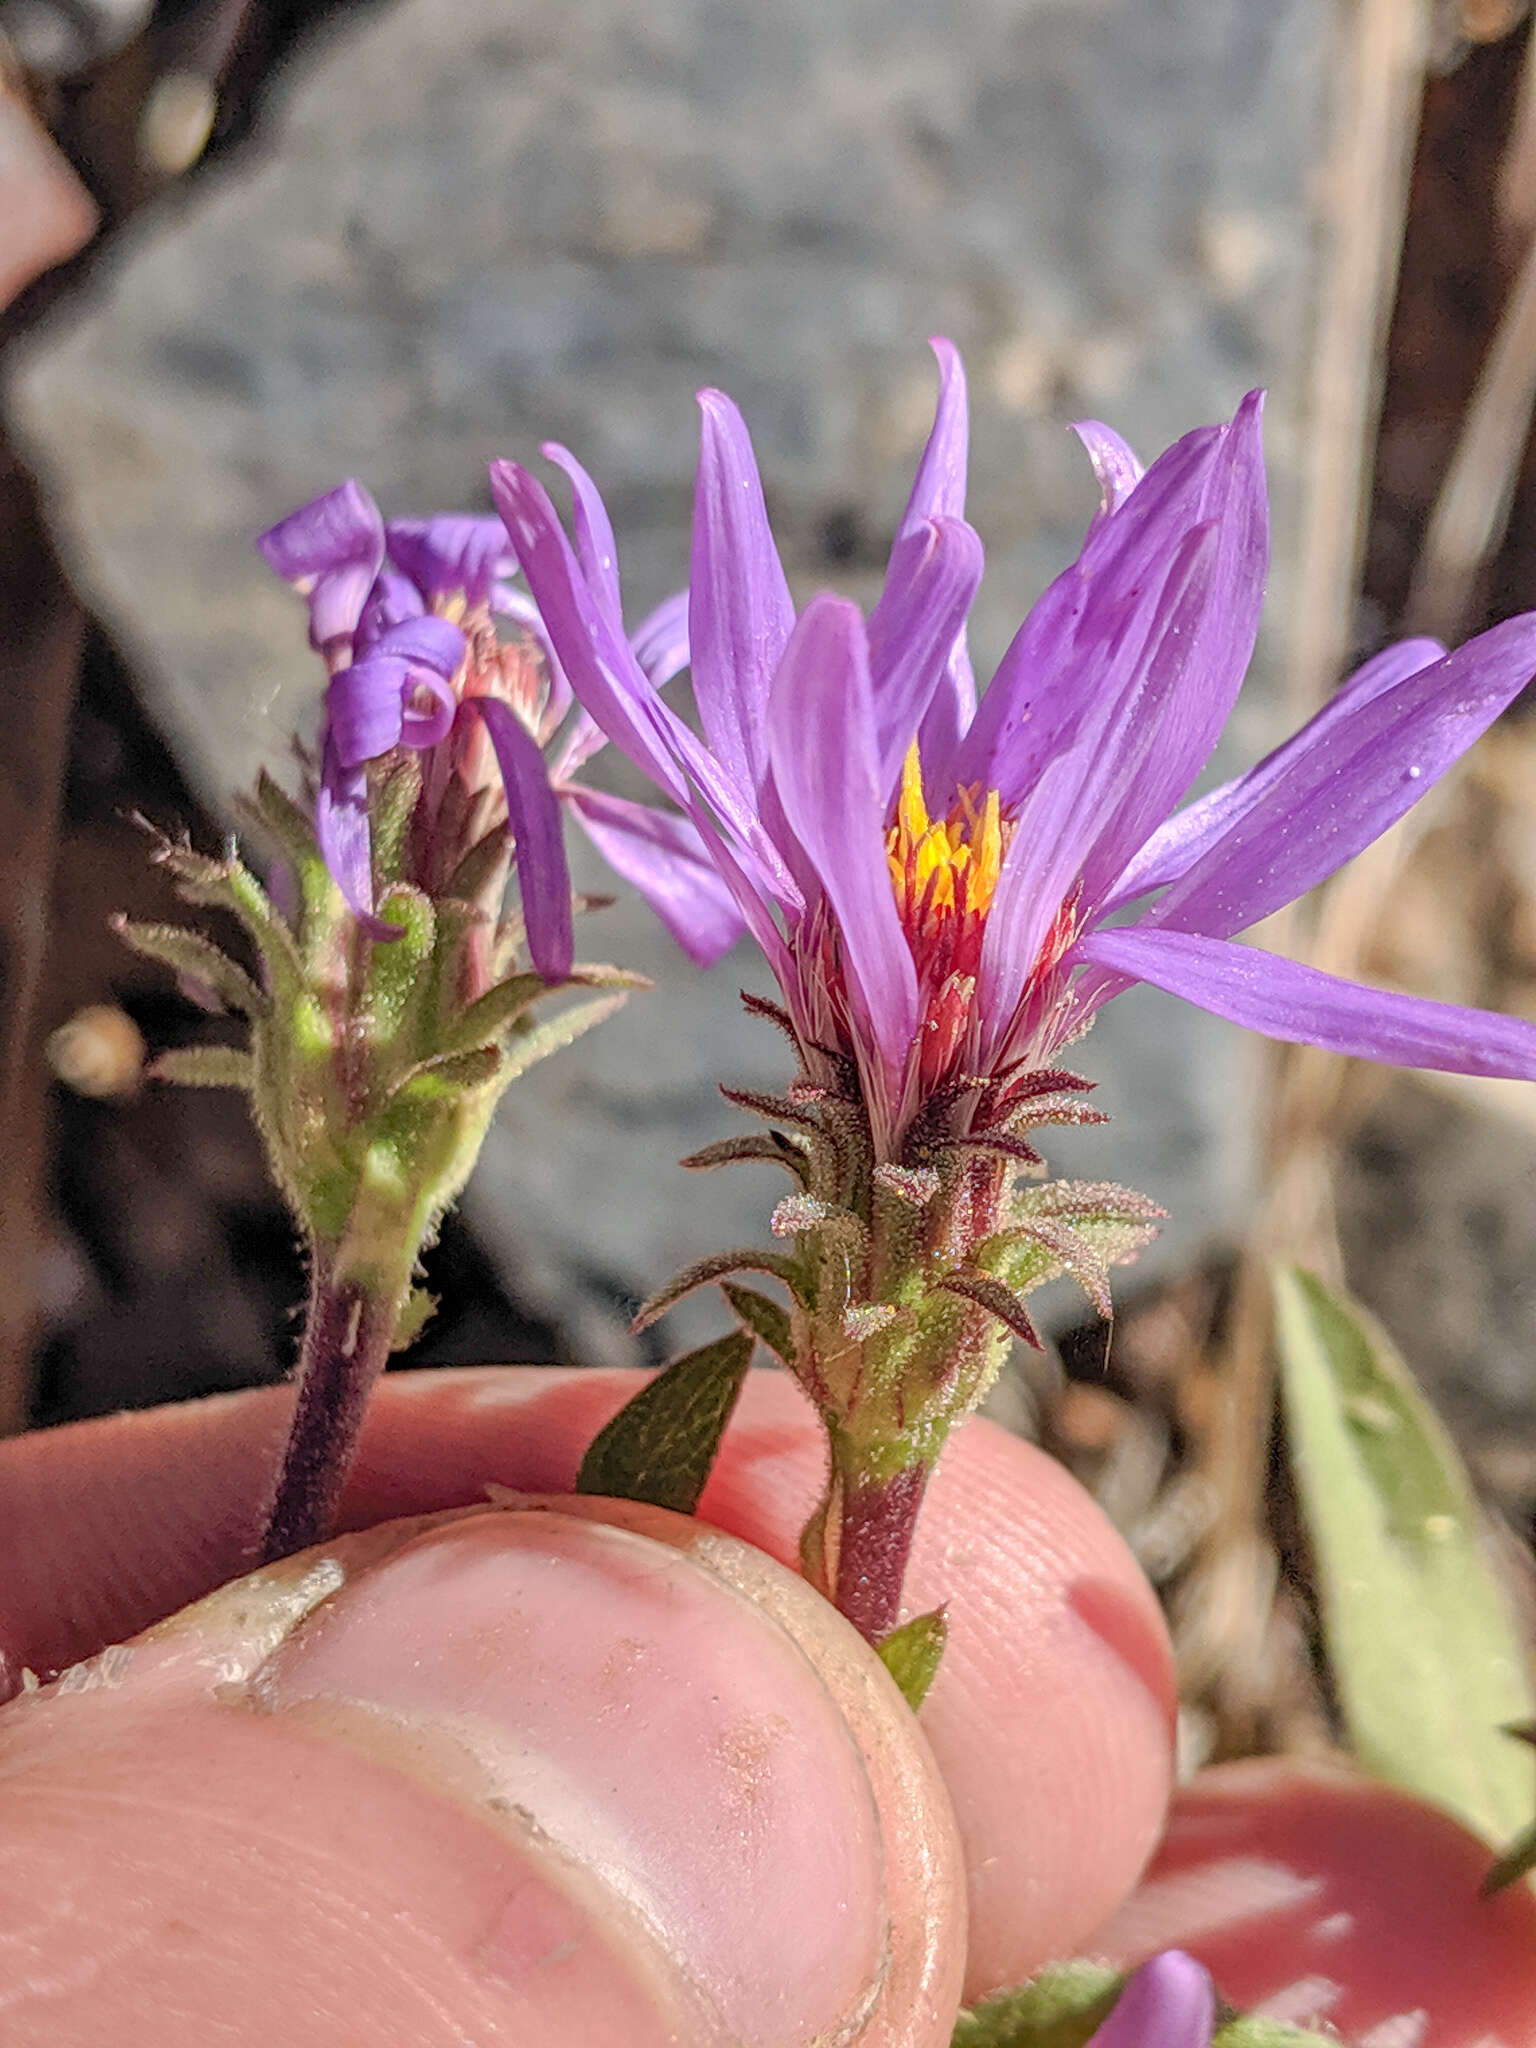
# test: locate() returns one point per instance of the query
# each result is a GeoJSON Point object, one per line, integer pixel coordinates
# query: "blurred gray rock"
{"type": "Point", "coordinates": [470, 226]}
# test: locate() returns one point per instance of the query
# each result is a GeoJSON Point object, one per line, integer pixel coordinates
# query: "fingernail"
{"type": "Point", "coordinates": [634, 1722]}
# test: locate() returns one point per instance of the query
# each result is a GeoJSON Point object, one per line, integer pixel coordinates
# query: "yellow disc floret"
{"type": "Point", "coordinates": [942, 868]}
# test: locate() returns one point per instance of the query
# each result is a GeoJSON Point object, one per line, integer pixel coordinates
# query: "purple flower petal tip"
{"type": "Point", "coordinates": [339, 527]}
{"type": "Point", "coordinates": [1115, 464]}
{"type": "Point", "coordinates": [331, 550]}
{"type": "Point", "coordinates": [451, 552]}
{"type": "Point", "coordinates": [1167, 2003]}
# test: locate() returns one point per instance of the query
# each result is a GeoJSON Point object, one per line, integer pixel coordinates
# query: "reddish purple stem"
{"type": "Point", "coordinates": [347, 1337]}
{"type": "Point", "coordinates": [874, 1542]}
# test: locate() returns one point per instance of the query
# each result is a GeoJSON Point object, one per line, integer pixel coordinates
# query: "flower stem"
{"type": "Point", "coordinates": [875, 1530]}
{"type": "Point", "coordinates": [348, 1331]}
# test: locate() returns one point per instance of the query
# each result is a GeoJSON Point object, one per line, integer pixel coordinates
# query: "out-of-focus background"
{"type": "Point", "coordinates": [251, 247]}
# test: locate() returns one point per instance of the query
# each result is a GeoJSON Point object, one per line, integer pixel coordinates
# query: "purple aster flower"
{"type": "Point", "coordinates": [1167, 2003]}
{"type": "Point", "coordinates": [946, 890]}
{"type": "Point", "coordinates": [406, 613]}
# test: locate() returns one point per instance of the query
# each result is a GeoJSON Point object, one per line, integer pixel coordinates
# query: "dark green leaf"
{"type": "Point", "coordinates": [764, 1318]}
{"type": "Point", "coordinates": [911, 1654]}
{"type": "Point", "coordinates": [660, 1446]}
{"type": "Point", "coordinates": [1427, 1661]}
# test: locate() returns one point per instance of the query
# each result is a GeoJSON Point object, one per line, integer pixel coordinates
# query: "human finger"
{"type": "Point", "coordinates": [1325, 1899]}
{"type": "Point", "coordinates": [1051, 1715]}
{"type": "Point", "coordinates": [601, 1775]}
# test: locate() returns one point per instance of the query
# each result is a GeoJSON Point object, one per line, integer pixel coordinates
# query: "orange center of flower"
{"type": "Point", "coordinates": [944, 873]}
{"type": "Point", "coordinates": [944, 870]}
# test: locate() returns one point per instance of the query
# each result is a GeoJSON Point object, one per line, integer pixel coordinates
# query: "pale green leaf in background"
{"type": "Point", "coordinates": [1428, 1663]}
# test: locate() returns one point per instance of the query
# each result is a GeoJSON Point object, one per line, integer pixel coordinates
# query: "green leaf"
{"type": "Point", "coordinates": [1063, 2008]}
{"type": "Point", "coordinates": [190, 953]}
{"type": "Point", "coordinates": [532, 1046]}
{"type": "Point", "coordinates": [1242, 2030]}
{"type": "Point", "coordinates": [660, 1446]}
{"type": "Point", "coordinates": [764, 1318]}
{"type": "Point", "coordinates": [1066, 2005]}
{"type": "Point", "coordinates": [1428, 1663]}
{"type": "Point", "coordinates": [204, 1066]}
{"type": "Point", "coordinates": [911, 1654]}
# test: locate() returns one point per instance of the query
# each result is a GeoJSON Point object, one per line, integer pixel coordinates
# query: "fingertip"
{"type": "Point", "coordinates": [1321, 1898]}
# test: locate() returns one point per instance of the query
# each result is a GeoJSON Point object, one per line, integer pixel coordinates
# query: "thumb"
{"type": "Point", "coordinates": [598, 1775]}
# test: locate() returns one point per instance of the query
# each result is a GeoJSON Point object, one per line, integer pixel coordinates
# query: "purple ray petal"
{"type": "Point", "coordinates": [660, 641]}
{"type": "Point", "coordinates": [393, 599]}
{"type": "Point", "coordinates": [341, 828]}
{"type": "Point", "coordinates": [1049, 678]}
{"type": "Point", "coordinates": [1304, 1006]}
{"type": "Point", "coordinates": [1181, 725]}
{"type": "Point", "coordinates": [424, 642]}
{"type": "Point", "coordinates": [1115, 464]}
{"type": "Point", "coordinates": [450, 552]}
{"type": "Point", "coordinates": [1182, 839]}
{"type": "Point", "coordinates": [660, 645]}
{"type": "Point", "coordinates": [934, 573]}
{"type": "Point", "coordinates": [421, 726]}
{"type": "Point", "coordinates": [331, 550]}
{"type": "Point", "coordinates": [363, 709]}
{"type": "Point", "coordinates": [1167, 2003]}
{"type": "Point", "coordinates": [1345, 780]}
{"type": "Point", "coordinates": [612, 686]}
{"type": "Point", "coordinates": [533, 813]}
{"type": "Point", "coordinates": [663, 857]}
{"type": "Point", "coordinates": [1074, 800]}
{"type": "Point", "coordinates": [821, 746]}
{"type": "Point", "coordinates": [590, 650]}
{"type": "Point", "coordinates": [739, 609]}
{"type": "Point", "coordinates": [596, 549]}
{"type": "Point", "coordinates": [939, 491]}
